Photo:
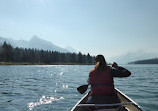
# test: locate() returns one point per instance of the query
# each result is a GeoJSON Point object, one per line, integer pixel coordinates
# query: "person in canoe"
{"type": "Point", "coordinates": [101, 81]}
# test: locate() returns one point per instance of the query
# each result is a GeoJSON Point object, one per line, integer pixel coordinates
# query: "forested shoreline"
{"type": "Point", "coordinates": [148, 61]}
{"type": "Point", "coordinates": [11, 55]}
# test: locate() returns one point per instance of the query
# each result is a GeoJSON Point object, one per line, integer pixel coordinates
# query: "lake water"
{"type": "Point", "coordinates": [53, 87]}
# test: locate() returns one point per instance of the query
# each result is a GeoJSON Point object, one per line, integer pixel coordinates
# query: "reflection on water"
{"type": "Point", "coordinates": [43, 100]}
{"type": "Point", "coordinates": [47, 88]}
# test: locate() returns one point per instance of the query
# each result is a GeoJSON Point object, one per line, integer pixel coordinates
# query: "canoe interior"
{"type": "Point", "coordinates": [123, 98]}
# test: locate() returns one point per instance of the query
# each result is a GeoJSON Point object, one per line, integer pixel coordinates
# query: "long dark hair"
{"type": "Point", "coordinates": [100, 63]}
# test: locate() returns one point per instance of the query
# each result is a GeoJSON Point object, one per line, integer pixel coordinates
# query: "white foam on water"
{"type": "Point", "coordinates": [43, 100]}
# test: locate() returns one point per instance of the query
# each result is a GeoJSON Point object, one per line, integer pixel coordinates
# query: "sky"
{"type": "Point", "coordinates": [108, 27]}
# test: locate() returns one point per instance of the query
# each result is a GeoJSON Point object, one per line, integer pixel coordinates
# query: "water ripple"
{"type": "Point", "coordinates": [22, 87]}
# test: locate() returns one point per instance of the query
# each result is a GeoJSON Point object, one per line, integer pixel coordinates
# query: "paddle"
{"type": "Point", "coordinates": [82, 89]}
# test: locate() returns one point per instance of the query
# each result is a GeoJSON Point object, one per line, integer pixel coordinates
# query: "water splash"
{"type": "Point", "coordinates": [43, 100]}
{"type": "Point", "coordinates": [61, 73]}
{"type": "Point", "coordinates": [65, 86]}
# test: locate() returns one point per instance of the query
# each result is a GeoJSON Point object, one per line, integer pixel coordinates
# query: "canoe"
{"type": "Point", "coordinates": [126, 104]}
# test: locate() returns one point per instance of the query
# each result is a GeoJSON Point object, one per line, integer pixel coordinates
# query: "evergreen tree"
{"type": "Point", "coordinates": [7, 52]}
{"type": "Point", "coordinates": [34, 56]}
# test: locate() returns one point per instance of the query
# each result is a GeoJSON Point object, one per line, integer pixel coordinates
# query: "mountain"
{"type": "Point", "coordinates": [71, 49]}
{"type": "Point", "coordinates": [133, 56]}
{"type": "Point", "coordinates": [38, 43]}
{"type": "Point", "coordinates": [34, 42]}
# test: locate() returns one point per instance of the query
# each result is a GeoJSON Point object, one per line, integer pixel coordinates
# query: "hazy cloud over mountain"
{"type": "Point", "coordinates": [133, 56]}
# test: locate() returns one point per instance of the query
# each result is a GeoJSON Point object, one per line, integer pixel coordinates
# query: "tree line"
{"type": "Point", "coordinates": [34, 56]}
{"type": "Point", "coordinates": [148, 61]}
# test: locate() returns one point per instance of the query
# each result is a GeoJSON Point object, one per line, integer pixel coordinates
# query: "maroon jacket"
{"type": "Point", "coordinates": [102, 81]}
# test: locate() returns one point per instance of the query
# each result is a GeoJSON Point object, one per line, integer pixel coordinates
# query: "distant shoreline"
{"type": "Point", "coordinates": [25, 63]}
{"type": "Point", "coordinates": [147, 61]}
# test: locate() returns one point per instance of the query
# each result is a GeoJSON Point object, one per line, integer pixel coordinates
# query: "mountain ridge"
{"type": "Point", "coordinates": [36, 43]}
{"type": "Point", "coordinates": [134, 56]}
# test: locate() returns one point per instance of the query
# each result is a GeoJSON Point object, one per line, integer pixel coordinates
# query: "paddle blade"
{"type": "Point", "coordinates": [82, 89]}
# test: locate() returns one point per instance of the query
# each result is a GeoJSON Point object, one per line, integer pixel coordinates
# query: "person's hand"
{"type": "Point", "coordinates": [115, 65]}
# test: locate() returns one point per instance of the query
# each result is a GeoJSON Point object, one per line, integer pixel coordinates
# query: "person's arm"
{"type": "Point", "coordinates": [118, 71]}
